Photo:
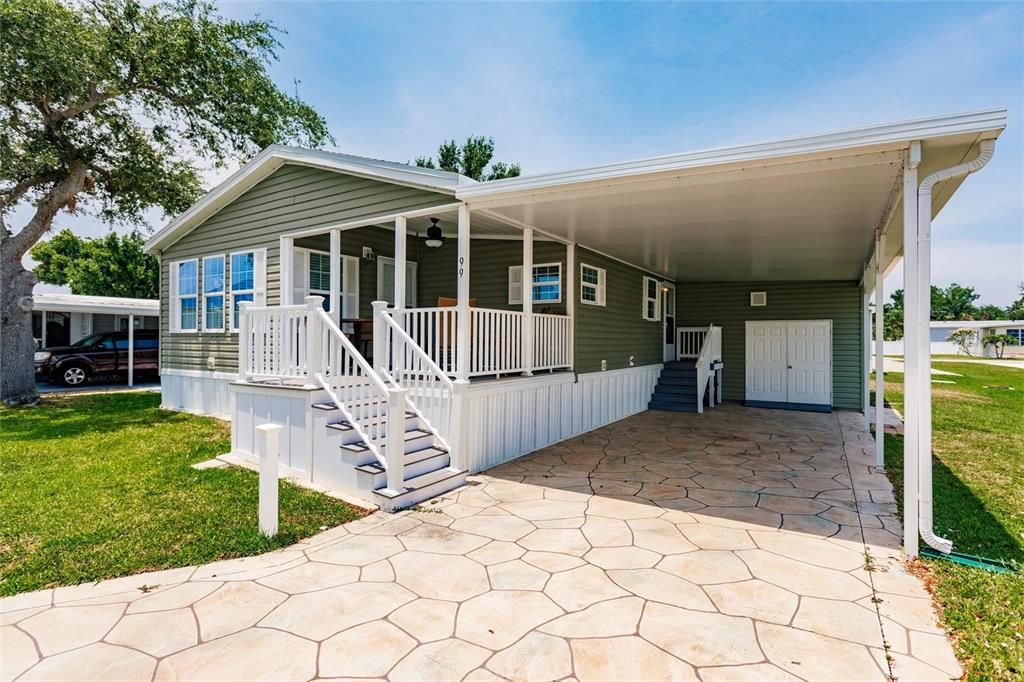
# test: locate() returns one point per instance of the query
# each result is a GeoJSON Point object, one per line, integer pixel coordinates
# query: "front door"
{"type": "Point", "coordinates": [668, 315]}
{"type": "Point", "coordinates": [789, 361]}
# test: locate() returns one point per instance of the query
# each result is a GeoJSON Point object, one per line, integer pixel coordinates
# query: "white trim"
{"type": "Point", "coordinates": [232, 326]}
{"type": "Point", "coordinates": [892, 136]}
{"type": "Point", "coordinates": [273, 157]}
{"type": "Point", "coordinates": [376, 219]}
{"type": "Point", "coordinates": [108, 305]}
{"type": "Point", "coordinates": [176, 297]}
{"type": "Point", "coordinates": [645, 299]}
{"type": "Point", "coordinates": [198, 373]}
{"type": "Point", "coordinates": [519, 268]}
{"type": "Point", "coordinates": [600, 289]}
{"type": "Point", "coordinates": [223, 293]}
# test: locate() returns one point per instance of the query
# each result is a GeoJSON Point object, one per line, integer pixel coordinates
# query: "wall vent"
{"type": "Point", "coordinates": [758, 299]}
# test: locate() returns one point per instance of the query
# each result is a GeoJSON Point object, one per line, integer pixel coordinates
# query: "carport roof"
{"type": "Point", "coordinates": [804, 208]}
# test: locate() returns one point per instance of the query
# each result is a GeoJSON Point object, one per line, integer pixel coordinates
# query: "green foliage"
{"type": "Point", "coordinates": [978, 471]}
{"type": "Point", "coordinates": [954, 302]}
{"type": "Point", "coordinates": [135, 95]}
{"type": "Point", "coordinates": [1000, 341]}
{"type": "Point", "coordinates": [990, 312]}
{"type": "Point", "coordinates": [106, 266]}
{"type": "Point", "coordinates": [963, 338]}
{"type": "Point", "coordinates": [1016, 309]}
{"type": "Point", "coordinates": [101, 486]}
{"type": "Point", "coordinates": [471, 159]}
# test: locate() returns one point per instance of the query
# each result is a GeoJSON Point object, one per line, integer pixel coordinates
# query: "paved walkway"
{"type": "Point", "coordinates": [741, 544]}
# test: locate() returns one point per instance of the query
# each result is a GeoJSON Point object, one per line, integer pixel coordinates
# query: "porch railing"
{"type": "Point", "coordinates": [690, 341]}
{"type": "Point", "coordinates": [709, 353]}
{"type": "Point", "coordinates": [496, 345]}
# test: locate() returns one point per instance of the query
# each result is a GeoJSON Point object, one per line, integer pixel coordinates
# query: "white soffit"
{"type": "Point", "coordinates": [800, 209]}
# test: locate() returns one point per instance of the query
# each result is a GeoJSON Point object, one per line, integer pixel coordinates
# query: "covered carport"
{"type": "Point", "coordinates": [814, 209]}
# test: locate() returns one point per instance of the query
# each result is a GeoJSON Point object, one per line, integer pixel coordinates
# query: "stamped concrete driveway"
{"type": "Point", "coordinates": [741, 544]}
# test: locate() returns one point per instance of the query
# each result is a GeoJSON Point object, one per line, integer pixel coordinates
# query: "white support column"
{"type": "Point", "coordinates": [528, 335]}
{"type": "Point", "coordinates": [287, 271]}
{"type": "Point", "coordinates": [570, 300]}
{"type": "Point", "coordinates": [394, 454]}
{"type": "Point", "coordinates": [911, 388]}
{"type": "Point", "coordinates": [866, 344]}
{"type": "Point", "coordinates": [879, 352]}
{"type": "Point", "coordinates": [400, 240]}
{"type": "Point", "coordinates": [314, 347]}
{"type": "Point", "coordinates": [244, 340]}
{"type": "Point", "coordinates": [464, 322]}
{"type": "Point", "coordinates": [131, 349]}
{"type": "Point", "coordinates": [335, 291]}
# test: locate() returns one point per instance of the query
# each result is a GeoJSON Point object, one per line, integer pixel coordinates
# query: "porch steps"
{"type": "Point", "coordinates": [677, 388]}
{"type": "Point", "coordinates": [428, 470]}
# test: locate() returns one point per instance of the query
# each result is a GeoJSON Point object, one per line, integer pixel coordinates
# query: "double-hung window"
{"type": "Point", "coordinates": [592, 285]}
{"type": "Point", "coordinates": [213, 293]}
{"type": "Point", "coordinates": [545, 285]}
{"type": "Point", "coordinates": [185, 296]}
{"type": "Point", "coordinates": [320, 276]}
{"type": "Point", "coordinates": [243, 282]}
{"type": "Point", "coordinates": [652, 299]}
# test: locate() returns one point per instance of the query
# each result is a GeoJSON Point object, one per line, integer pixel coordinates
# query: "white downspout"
{"type": "Point", "coordinates": [924, 442]}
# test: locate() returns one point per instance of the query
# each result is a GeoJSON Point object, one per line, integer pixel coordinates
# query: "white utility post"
{"type": "Point", "coordinates": [879, 351]}
{"type": "Point", "coordinates": [400, 244]}
{"type": "Point", "coordinates": [131, 349]}
{"type": "Point", "coordinates": [464, 323]}
{"type": "Point", "coordinates": [267, 450]}
{"type": "Point", "coordinates": [527, 296]}
{"type": "Point", "coordinates": [865, 351]}
{"type": "Point", "coordinates": [911, 389]}
{"type": "Point", "coordinates": [394, 453]}
{"type": "Point", "coordinates": [287, 266]}
{"type": "Point", "coordinates": [336, 275]}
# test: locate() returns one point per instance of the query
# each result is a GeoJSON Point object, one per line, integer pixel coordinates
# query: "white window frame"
{"type": "Point", "coordinates": [515, 295]}
{"type": "Point", "coordinates": [177, 297]}
{"type": "Point", "coordinates": [238, 292]}
{"type": "Point", "coordinates": [310, 291]}
{"type": "Point", "coordinates": [645, 299]}
{"type": "Point", "coordinates": [223, 293]}
{"type": "Point", "coordinates": [600, 289]}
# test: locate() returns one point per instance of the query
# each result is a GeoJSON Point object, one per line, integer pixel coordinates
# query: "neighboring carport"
{"type": "Point", "coordinates": [810, 211]}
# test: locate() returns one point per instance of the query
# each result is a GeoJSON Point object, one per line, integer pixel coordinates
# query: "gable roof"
{"type": "Point", "coordinates": [273, 157]}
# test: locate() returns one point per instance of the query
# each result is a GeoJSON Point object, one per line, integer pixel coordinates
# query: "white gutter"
{"type": "Point", "coordinates": [925, 506]}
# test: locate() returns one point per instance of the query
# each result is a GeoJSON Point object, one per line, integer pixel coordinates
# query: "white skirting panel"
{"type": "Point", "coordinates": [511, 418]}
{"type": "Point", "coordinates": [290, 408]}
{"type": "Point", "coordinates": [197, 392]}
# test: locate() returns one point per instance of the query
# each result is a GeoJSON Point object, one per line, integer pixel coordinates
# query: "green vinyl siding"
{"type": "Point", "coordinates": [728, 304]}
{"type": "Point", "coordinates": [489, 261]}
{"type": "Point", "coordinates": [291, 199]}
{"type": "Point", "coordinates": [617, 330]}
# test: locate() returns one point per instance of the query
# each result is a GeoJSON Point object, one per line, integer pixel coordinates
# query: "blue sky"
{"type": "Point", "coordinates": [567, 85]}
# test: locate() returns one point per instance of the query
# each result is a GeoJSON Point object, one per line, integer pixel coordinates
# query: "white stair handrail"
{"type": "Point", "coordinates": [703, 363]}
{"type": "Point", "coordinates": [339, 363]}
{"type": "Point", "coordinates": [430, 388]}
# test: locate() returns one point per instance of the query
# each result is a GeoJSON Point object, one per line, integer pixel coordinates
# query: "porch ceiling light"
{"type": "Point", "coordinates": [435, 237]}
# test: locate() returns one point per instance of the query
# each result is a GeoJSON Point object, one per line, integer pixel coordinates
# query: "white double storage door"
{"type": "Point", "coordinates": [789, 361]}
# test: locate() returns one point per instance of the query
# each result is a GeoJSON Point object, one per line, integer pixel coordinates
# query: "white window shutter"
{"type": "Point", "coordinates": [259, 276]}
{"type": "Point", "coordinates": [350, 287]}
{"type": "Point", "coordinates": [175, 322]}
{"type": "Point", "coordinates": [300, 277]}
{"type": "Point", "coordinates": [601, 286]}
{"type": "Point", "coordinates": [515, 285]}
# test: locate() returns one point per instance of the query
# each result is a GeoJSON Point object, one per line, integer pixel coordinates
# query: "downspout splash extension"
{"type": "Point", "coordinates": [925, 509]}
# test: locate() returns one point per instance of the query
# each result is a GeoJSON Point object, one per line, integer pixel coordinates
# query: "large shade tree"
{"type": "Point", "coordinates": [473, 158]}
{"type": "Point", "coordinates": [113, 107]}
{"type": "Point", "coordinates": [111, 265]}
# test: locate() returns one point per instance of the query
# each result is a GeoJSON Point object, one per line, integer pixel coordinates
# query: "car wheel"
{"type": "Point", "coordinates": [73, 375]}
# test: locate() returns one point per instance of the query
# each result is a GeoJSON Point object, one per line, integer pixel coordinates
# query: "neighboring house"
{"type": "Point", "coordinates": [516, 313]}
{"type": "Point", "coordinates": [941, 345]}
{"type": "Point", "coordinates": [62, 319]}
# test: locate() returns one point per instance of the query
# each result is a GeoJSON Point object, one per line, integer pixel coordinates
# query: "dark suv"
{"type": "Point", "coordinates": [103, 354]}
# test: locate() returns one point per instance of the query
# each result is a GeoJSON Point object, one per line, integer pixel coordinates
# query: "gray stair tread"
{"type": "Point", "coordinates": [423, 481]}
{"type": "Point", "coordinates": [345, 425]}
{"type": "Point", "coordinates": [410, 458]}
{"type": "Point", "coordinates": [413, 434]}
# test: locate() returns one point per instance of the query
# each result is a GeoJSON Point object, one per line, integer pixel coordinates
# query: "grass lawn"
{"type": "Point", "coordinates": [100, 486]}
{"type": "Point", "coordinates": [979, 505]}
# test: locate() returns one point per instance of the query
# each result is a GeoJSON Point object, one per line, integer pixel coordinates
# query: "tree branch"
{"type": "Point", "coordinates": [57, 198]}
{"type": "Point", "coordinates": [10, 197]}
{"type": "Point", "coordinates": [53, 117]}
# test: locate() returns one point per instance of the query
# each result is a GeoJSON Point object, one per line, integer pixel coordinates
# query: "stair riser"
{"type": "Point", "coordinates": [414, 497]}
{"type": "Point", "coordinates": [411, 445]}
{"type": "Point", "coordinates": [674, 399]}
{"type": "Point", "coordinates": [411, 424]}
{"type": "Point", "coordinates": [379, 479]}
{"type": "Point", "coordinates": [661, 407]}
{"type": "Point", "coordinates": [676, 390]}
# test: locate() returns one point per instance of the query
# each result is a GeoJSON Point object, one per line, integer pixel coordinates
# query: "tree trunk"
{"type": "Point", "coordinates": [17, 346]}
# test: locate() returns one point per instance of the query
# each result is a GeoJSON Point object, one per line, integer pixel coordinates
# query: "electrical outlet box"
{"type": "Point", "coordinates": [211, 362]}
{"type": "Point", "coordinates": [632, 361]}
{"type": "Point", "coordinates": [604, 365]}
{"type": "Point", "coordinates": [368, 253]}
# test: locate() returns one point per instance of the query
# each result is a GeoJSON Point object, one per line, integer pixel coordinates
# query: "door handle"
{"type": "Point", "coordinates": [789, 367]}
